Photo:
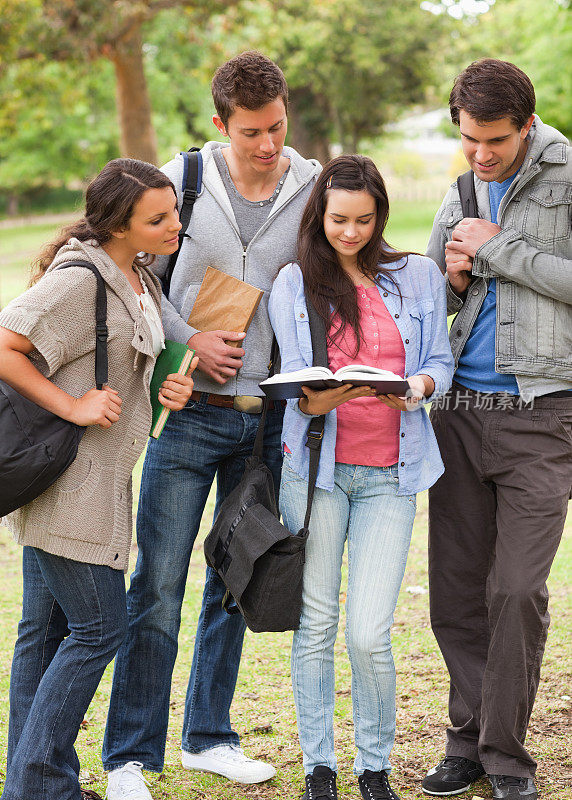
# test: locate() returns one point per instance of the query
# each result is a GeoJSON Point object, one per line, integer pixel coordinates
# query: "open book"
{"type": "Point", "coordinates": [286, 385]}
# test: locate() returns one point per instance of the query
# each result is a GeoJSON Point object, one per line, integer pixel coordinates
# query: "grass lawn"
{"type": "Point", "coordinates": [263, 711]}
{"type": "Point", "coordinates": [18, 248]}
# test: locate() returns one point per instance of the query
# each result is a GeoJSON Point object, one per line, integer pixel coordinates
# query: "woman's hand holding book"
{"type": "Point", "coordinates": [324, 400]}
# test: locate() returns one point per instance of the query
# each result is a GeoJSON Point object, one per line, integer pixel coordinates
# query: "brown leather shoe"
{"type": "Point", "coordinates": [88, 794]}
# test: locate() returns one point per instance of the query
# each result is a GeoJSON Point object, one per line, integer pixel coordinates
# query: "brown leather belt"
{"type": "Point", "coordinates": [248, 404]}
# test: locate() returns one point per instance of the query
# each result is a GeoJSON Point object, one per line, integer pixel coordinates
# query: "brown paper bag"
{"type": "Point", "coordinates": [224, 303]}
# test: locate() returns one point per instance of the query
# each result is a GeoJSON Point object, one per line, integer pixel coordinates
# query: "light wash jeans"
{"type": "Point", "coordinates": [363, 508]}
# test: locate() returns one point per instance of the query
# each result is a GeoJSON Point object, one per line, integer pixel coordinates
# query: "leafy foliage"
{"type": "Point", "coordinates": [351, 68]}
{"type": "Point", "coordinates": [56, 123]}
{"type": "Point", "coordinates": [537, 37]}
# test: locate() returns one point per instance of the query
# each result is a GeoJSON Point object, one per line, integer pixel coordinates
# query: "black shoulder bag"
{"type": "Point", "coordinates": [260, 561]}
{"type": "Point", "coordinates": [36, 446]}
{"type": "Point", "coordinates": [191, 187]}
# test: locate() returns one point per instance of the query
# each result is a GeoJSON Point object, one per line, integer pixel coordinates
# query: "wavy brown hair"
{"type": "Point", "coordinates": [327, 285]}
{"type": "Point", "coordinates": [249, 80]}
{"type": "Point", "coordinates": [110, 200]}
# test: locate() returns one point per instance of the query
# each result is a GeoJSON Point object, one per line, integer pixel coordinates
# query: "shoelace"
{"type": "Point", "coordinates": [453, 762]}
{"type": "Point", "coordinates": [511, 780]}
{"type": "Point", "coordinates": [379, 783]}
{"type": "Point", "coordinates": [232, 753]}
{"type": "Point", "coordinates": [131, 771]}
{"type": "Point", "coordinates": [321, 788]}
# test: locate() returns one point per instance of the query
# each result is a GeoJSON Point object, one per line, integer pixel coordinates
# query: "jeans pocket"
{"type": "Point", "coordinates": [562, 424]}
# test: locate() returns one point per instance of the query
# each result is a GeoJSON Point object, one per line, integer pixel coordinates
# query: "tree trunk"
{"type": "Point", "coordinates": [138, 138]}
{"type": "Point", "coordinates": [308, 126]}
{"type": "Point", "coordinates": [13, 204]}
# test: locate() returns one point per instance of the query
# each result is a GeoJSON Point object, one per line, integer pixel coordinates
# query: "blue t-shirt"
{"type": "Point", "coordinates": [476, 369]}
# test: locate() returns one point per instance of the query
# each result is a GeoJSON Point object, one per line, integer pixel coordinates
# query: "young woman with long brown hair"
{"type": "Point", "coordinates": [386, 309]}
{"type": "Point", "coordinates": [77, 534]}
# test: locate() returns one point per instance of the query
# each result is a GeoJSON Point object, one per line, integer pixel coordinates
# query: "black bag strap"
{"type": "Point", "coordinates": [316, 427]}
{"type": "Point", "coordinates": [101, 332]}
{"type": "Point", "coordinates": [466, 187]}
{"type": "Point", "coordinates": [272, 368]}
{"type": "Point", "coordinates": [191, 187]}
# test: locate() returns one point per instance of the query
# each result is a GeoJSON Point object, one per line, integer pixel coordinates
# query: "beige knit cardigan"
{"type": "Point", "coordinates": [86, 515]}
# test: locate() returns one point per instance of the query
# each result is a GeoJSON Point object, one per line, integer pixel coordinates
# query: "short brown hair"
{"type": "Point", "coordinates": [249, 80]}
{"type": "Point", "coordinates": [490, 89]}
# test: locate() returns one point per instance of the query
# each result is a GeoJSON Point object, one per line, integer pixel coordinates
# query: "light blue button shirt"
{"type": "Point", "coordinates": [421, 319]}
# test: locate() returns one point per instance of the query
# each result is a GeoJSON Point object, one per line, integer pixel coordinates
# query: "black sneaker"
{"type": "Point", "coordinates": [507, 787]}
{"type": "Point", "coordinates": [321, 785]}
{"type": "Point", "coordinates": [453, 775]}
{"type": "Point", "coordinates": [375, 786]}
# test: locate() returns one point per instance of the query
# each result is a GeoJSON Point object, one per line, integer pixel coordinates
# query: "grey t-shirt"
{"type": "Point", "coordinates": [250, 215]}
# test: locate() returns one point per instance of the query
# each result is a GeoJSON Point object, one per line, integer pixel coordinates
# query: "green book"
{"type": "Point", "coordinates": [175, 358]}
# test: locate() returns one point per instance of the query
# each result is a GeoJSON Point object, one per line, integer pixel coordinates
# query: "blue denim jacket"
{"type": "Point", "coordinates": [421, 319]}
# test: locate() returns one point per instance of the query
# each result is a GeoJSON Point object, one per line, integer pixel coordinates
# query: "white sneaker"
{"type": "Point", "coordinates": [128, 783]}
{"type": "Point", "coordinates": [230, 761]}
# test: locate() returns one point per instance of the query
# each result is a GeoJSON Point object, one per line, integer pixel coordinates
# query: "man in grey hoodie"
{"type": "Point", "coordinates": [244, 222]}
{"type": "Point", "coordinates": [505, 430]}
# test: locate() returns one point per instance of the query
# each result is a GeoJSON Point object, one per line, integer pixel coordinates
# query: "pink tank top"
{"type": "Point", "coordinates": [368, 431]}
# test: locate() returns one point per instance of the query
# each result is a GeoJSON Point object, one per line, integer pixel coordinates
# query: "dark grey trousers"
{"type": "Point", "coordinates": [495, 521]}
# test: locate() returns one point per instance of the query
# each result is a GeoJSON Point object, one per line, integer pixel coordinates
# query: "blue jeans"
{"type": "Point", "coordinates": [197, 443]}
{"type": "Point", "coordinates": [73, 620]}
{"type": "Point", "coordinates": [363, 508]}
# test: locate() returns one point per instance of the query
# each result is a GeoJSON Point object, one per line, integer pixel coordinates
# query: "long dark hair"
{"type": "Point", "coordinates": [327, 285]}
{"type": "Point", "coordinates": [109, 202]}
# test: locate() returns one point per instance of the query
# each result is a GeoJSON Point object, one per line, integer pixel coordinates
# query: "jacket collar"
{"type": "Point", "coordinates": [547, 144]}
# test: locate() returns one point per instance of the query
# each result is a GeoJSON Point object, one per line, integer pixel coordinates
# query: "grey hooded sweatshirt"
{"type": "Point", "coordinates": [212, 239]}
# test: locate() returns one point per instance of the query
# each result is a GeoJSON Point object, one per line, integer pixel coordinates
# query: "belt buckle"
{"type": "Point", "coordinates": [248, 404]}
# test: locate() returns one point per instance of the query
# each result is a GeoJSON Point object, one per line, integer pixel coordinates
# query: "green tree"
{"type": "Point", "coordinates": [57, 126]}
{"type": "Point", "coordinates": [80, 31]}
{"type": "Point", "coordinates": [351, 67]}
{"type": "Point", "coordinates": [537, 37]}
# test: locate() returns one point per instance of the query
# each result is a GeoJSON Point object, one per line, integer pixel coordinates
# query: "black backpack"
{"type": "Point", "coordinates": [191, 187]}
{"type": "Point", "coordinates": [36, 446]}
{"type": "Point", "coordinates": [260, 561]}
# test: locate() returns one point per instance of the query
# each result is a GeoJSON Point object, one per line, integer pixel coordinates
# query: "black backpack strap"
{"type": "Point", "coordinates": [191, 187]}
{"type": "Point", "coordinates": [101, 332]}
{"type": "Point", "coordinates": [466, 187]}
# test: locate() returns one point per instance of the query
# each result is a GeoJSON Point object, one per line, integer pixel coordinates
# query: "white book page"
{"type": "Point", "coordinates": [364, 370]}
{"type": "Point", "coordinates": [301, 375]}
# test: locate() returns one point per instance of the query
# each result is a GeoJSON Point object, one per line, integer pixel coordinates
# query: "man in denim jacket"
{"type": "Point", "coordinates": [505, 430]}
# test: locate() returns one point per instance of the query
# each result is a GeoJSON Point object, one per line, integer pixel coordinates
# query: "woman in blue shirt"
{"type": "Point", "coordinates": [383, 308]}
